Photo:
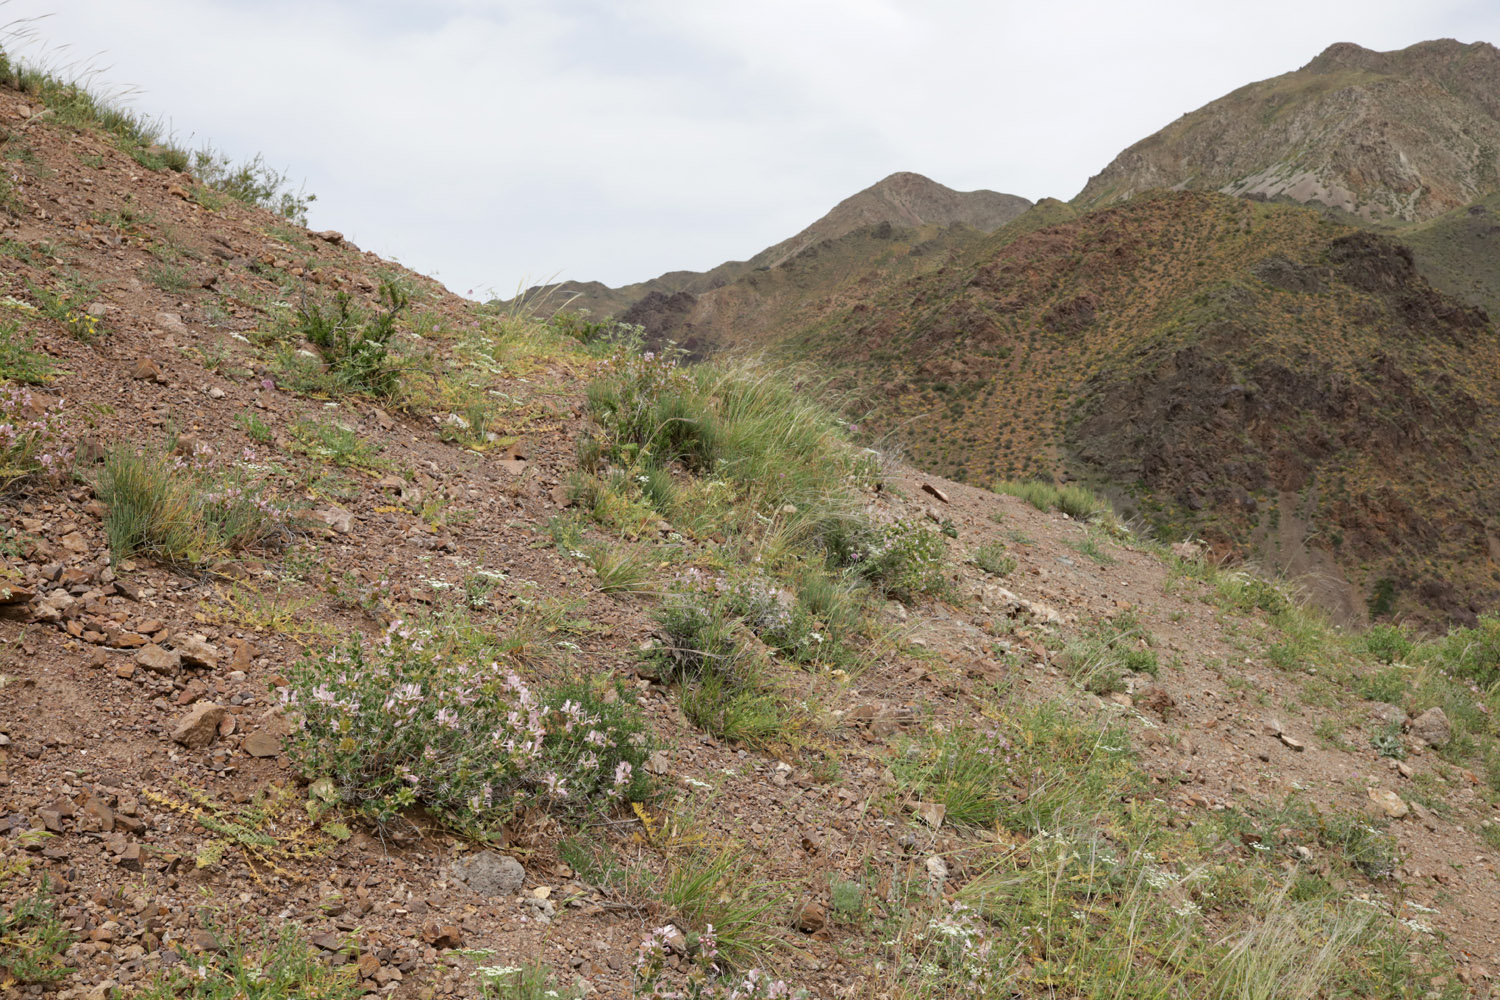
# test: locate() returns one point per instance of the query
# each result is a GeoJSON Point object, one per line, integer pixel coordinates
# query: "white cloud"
{"type": "Point", "coordinates": [494, 140]}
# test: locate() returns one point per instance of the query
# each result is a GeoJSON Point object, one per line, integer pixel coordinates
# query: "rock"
{"type": "Point", "coordinates": [1290, 743]}
{"type": "Point", "coordinates": [810, 917]}
{"type": "Point", "coordinates": [1271, 727]}
{"type": "Point", "coordinates": [489, 873]}
{"type": "Point", "coordinates": [675, 939]}
{"type": "Point", "coordinates": [262, 744]}
{"type": "Point", "coordinates": [330, 236]}
{"type": "Point", "coordinates": [1389, 803]}
{"type": "Point", "coordinates": [1385, 712]}
{"type": "Point", "coordinates": [1188, 551]}
{"type": "Point", "coordinates": [933, 491]}
{"type": "Point", "coordinates": [340, 520]}
{"type": "Point", "coordinates": [368, 965]}
{"type": "Point", "coordinates": [200, 726]}
{"type": "Point", "coordinates": [195, 650]}
{"type": "Point", "coordinates": [441, 935]}
{"type": "Point", "coordinates": [937, 872]}
{"type": "Point", "coordinates": [1432, 728]}
{"type": "Point", "coordinates": [657, 763]}
{"type": "Point", "coordinates": [170, 322]}
{"type": "Point", "coordinates": [244, 654]}
{"type": "Point", "coordinates": [931, 813]}
{"type": "Point", "coordinates": [101, 812]}
{"type": "Point", "coordinates": [1155, 698]}
{"type": "Point", "coordinates": [158, 660]}
{"type": "Point", "coordinates": [149, 371]}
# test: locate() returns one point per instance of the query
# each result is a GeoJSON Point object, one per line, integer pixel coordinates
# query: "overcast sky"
{"type": "Point", "coordinates": [495, 142]}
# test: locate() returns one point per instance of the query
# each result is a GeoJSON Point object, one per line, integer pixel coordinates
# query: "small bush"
{"type": "Point", "coordinates": [1109, 650]}
{"type": "Point", "coordinates": [33, 939]}
{"type": "Point", "coordinates": [335, 444]}
{"type": "Point", "coordinates": [1387, 643]}
{"type": "Point", "coordinates": [19, 362]}
{"type": "Point", "coordinates": [356, 345]}
{"type": "Point", "coordinates": [268, 968]}
{"type": "Point", "coordinates": [1388, 685]}
{"type": "Point", "coordinates": [720, 897]}
{"type": "Point", "coordinates": [902, 559]}
{"type": "Point", "coordinates": [184, 510]}
{"type": "Point", "coordinates": [1076, 501]}
{"type": "Point", "coordinates": [724, 685]}
{"type": "Point", "coordinates": [1472, 653]}
{"type": "Point", "coordinates": [32, 439]}
{"type": "Point", "coordinates": [992, 558]}
{"type": "Point", "coordinates": [253, 182]}
{"type": "Point", "coordinates": [401, 723]}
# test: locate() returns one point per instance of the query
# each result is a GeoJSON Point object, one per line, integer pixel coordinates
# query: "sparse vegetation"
{"type": "Point", "coordinates": [256, 967]}
{"type": "Point", "coordinates": [188, 510]}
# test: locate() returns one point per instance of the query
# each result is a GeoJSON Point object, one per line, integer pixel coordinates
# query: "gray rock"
{"type": "Point", "coordinates": [1386, 712]}
{"type": "Point", "coordinates": [489, 873]}
{"type": "Point", "coordinates": [158, 660]}
{"type": "Point", "coordinates": [1432, 728]}
{"type": "Point", "coordinates": [195, 650]}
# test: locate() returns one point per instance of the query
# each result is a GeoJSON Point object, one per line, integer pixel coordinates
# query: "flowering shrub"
{"type": "Point", "coordinates": [402, 722]}
{"type": "Point", "coordinates": [31, 437]}
{"type": "Point", "coordinates": [185, 508]}
{"type": "Point", "coordinates": [706, 978]}
{"type": "Point", "coordinates": [643, 405]}
{"type": "Point", "coordinates": [902, 559]}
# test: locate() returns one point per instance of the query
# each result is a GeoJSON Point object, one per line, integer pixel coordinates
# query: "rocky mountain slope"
{"type": "Point", "coordinates": [357, 640]}
{"type": "Point", "coordinates": [1405, 135]}
{"type": "Point", "coordinates": [1256, 375]}
{"type": "Point", "coordinates": [903, 201]}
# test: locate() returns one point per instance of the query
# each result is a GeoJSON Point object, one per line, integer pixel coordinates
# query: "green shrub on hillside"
{"type": "Point", "coordinates": [400, 722]}
{"type": "Point", "coordinates": [356, 344]}
{"type": "Point", "coordinates": [1076, 501]}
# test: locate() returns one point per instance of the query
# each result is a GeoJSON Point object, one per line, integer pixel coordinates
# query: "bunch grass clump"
{"type": "Point", "coordinates": [410, 720]}
{"type": "Point", "coordinates": [187, 510]}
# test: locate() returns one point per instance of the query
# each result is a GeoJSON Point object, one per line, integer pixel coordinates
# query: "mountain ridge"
{"type": "Point", "coordinates": [1404, 135]}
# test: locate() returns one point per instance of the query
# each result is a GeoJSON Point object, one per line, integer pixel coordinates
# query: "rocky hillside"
{"type": "Point", "coordinates": [1404, 135]}
{"type": "Point", "coordinates": [668, 305]}
{"type": "Point", "coordinates": [1256, 375]}
{"type": "Point", "coordinates": [357, 640]}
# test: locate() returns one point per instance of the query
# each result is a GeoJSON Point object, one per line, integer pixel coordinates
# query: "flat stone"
{"type": "Point", "coordinates": [1389, 803]}
{"type": "Point", "coordinates": [489, 873]}
{"type": "Point", "coordinates": [262, 744]}
{"type": "Point", "coordinates": [200, 726]}
{"type": "Point", "coordinates": [1432, 728]}
{"type": "Point", "coordinates": [158, 660]}
{"type": "Point", "coordinates": [195, 650]}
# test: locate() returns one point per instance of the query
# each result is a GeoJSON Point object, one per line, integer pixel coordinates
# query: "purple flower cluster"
{"type": "Point", "coordinates": [403, 722]}
{"type": "Point", "coordinates": [31, 437]}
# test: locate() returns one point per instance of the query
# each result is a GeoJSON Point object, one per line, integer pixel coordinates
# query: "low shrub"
{"type": "Point", "coordinates": [725, 688]}
{"type": "Point", "coordinates": [33, 440]}
{"type": "Point", "coordinates": [34, 940]}
{"type": "Point", "coordinates": [185, 509]}
{"type": "Point", "coordinates": [993, 559]}
{"type": "Point", "coordinates": [1387, 643]}
{"type": "Point", "coordinates": [354, 343]}
{"type": "Point", "coordinates": [267, 967]}
{"type": "Point", "coordinates": [901, 559]}
{"type": "Point", "coordinates": [1077, 502]}
{"type": "Point", "coordinates": [401, 722]}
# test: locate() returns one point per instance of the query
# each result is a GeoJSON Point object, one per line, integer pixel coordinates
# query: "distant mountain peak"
{"type": "Point", "coordinates": [1405, 135]}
